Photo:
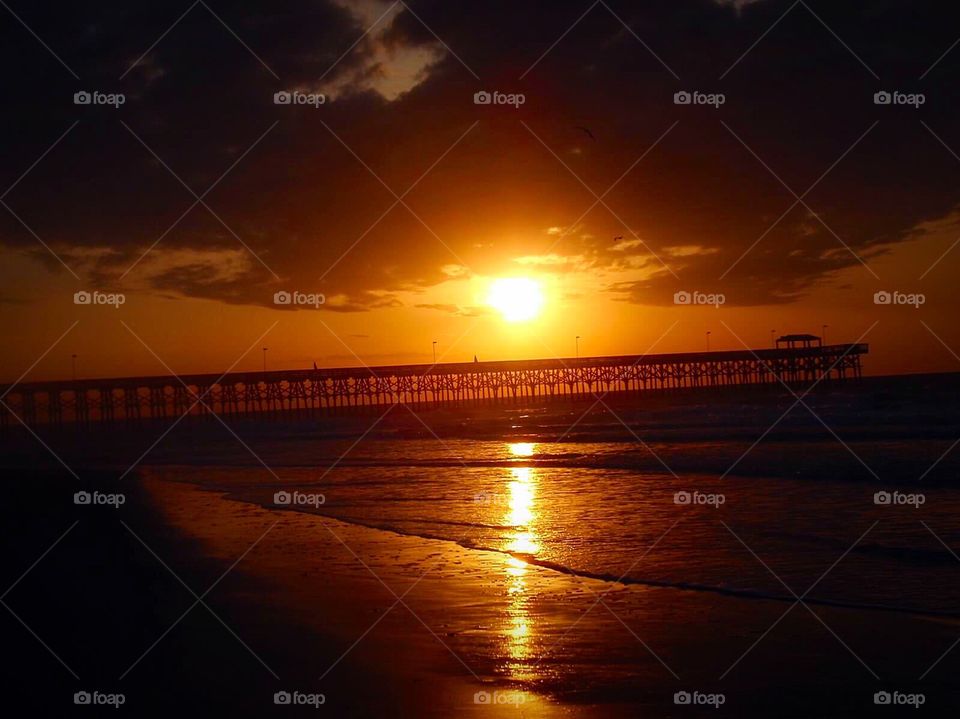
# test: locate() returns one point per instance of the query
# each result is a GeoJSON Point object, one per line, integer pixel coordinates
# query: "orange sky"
{"type": "Point", "coordinates": [401, 199]}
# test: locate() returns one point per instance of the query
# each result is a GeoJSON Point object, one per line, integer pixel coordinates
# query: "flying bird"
{"type": "Point", "coordinates": [586, 130]}
{"type": "Point", "coordinates": [618, 237]}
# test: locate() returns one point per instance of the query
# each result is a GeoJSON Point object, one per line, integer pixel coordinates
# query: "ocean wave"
{"type": "Point", "coordinates": [623, 579]}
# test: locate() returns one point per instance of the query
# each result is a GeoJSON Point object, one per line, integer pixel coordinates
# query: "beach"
{"type": "Point", "coordinates": [478, 571]}
{"type": "Point", "coordinates": [498, 360]}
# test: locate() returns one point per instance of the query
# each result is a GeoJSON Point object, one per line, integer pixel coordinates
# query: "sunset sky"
{"type": "Point", "coordinates": [404, 202]}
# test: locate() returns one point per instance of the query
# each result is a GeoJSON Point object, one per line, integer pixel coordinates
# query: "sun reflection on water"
{"type": "Point", "coordinates": [522, 449]}
{"type": "Point", "coordinates": [521, 516]}
{"type": "Point", "coordinates": [520, 511]}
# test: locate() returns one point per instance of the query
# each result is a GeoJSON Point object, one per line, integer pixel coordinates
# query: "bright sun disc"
{"type": "Point", "coordinates": [516, 298]}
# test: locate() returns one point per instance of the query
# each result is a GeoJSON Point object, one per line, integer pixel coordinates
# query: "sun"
{"type": "Point", "coordinates": [516, 298]}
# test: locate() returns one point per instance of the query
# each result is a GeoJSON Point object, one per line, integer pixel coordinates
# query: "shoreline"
{"type": "Point", "coordinates": [301, 598]}
{"type": "Point", "coordinates": [928, 613]}
{"type": "Point", "coordinates": [367, 631]}
{"type": "Point", "coordinates": [469, 587]}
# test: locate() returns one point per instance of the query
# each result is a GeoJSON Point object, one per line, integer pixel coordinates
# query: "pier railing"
{"type": "Point", "coordinates": [130, 399]}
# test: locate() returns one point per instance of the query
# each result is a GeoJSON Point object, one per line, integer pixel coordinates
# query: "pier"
{"type": "Point", "coordinates": [135, 399]}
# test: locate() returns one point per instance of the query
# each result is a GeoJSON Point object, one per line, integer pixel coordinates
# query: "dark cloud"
{"type": "Point", "coordinates": [315, 218]}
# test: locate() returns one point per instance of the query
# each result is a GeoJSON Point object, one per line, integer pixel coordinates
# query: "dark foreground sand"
{"type": "Point", "coordinates": [93, 607]}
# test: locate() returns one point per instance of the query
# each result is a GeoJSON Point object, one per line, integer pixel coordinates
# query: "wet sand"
{"type": "Point", "coordinates": [107, 602]}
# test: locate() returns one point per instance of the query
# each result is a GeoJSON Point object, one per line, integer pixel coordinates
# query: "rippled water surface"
{"type": "Point", "coordinates": [586, 508]}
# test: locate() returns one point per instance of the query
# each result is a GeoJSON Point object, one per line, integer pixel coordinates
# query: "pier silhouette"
{"type": "Point", "coordinates": [134, 399]}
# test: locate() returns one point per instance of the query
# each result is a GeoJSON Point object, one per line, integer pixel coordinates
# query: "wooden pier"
{"type": "Point", "coordinates": [134, 399]}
